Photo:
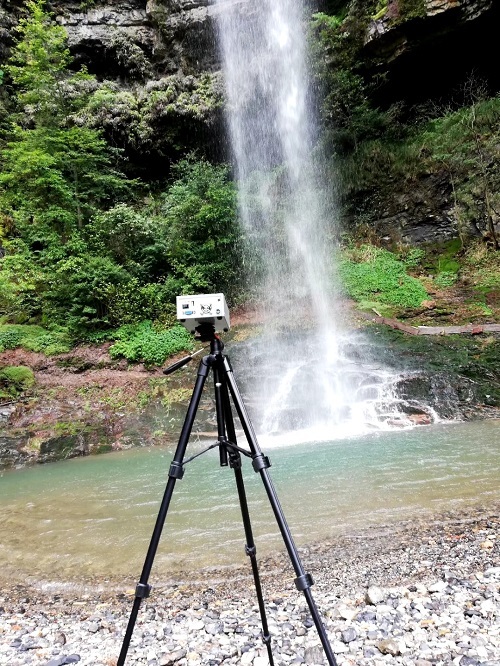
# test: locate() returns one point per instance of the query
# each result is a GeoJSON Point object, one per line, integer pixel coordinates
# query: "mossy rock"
{"type": "Point", "coordinates": [468, 363]}
{"type": "Point", "coordinates": [103, 448]}
{"type": "Point", "coordinates": [61, 448]}
{"type": "Point", "coordinates": [15, 379]}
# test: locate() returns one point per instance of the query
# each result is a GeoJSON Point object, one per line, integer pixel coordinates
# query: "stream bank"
{"type": "Point", "coordinates": [84, 402]}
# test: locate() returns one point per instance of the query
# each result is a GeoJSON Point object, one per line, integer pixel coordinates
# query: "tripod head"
{"type": "Point", "coordinates": [206, 333]}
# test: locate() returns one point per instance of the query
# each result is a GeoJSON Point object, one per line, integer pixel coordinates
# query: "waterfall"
{"type": "Point", "coordinates": [307, 376]}
{"type": "Point", "coordinates": [264, 56]}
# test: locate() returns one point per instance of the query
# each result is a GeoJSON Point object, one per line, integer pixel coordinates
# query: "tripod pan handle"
{"type": "Point", "coordinates": [177, 365]}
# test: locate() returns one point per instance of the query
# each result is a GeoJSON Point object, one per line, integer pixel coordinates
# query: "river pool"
{"type": "Point", "coordinates": [94, 516]}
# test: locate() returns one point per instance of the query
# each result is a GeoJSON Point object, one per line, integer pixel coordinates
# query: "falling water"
{"type": "Point", "coordinates": [264, 58]}
{"type": "Point", "coordinates": [305, 377]}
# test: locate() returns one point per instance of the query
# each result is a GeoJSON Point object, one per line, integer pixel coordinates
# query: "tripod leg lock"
{"type": "Point", "coordinates": [176, 470]}
{"type": "Point", "coordinates": [251, 551]}
{"type": "Point", "coordinates": [304, 582]}
{"type": "Point", "coordinates": [260, 462]}
{"type": "Point", "coordinates": [266, 639]}
{"type": "Point", "coordinates": [142, 590]}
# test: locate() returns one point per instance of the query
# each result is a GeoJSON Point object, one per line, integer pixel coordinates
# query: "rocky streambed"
{"type": "Point", "coordinates": [416, 593]}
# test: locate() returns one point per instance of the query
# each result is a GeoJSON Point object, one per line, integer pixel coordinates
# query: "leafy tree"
{"type": "Point", "coordinates": [199, 217]}
{"type": "Point", "coordinates": [77, 292]}
{"type": "Point", "coordinates": [76, 254]}
{"type": "Point", "coordinates": [54, 172]}
{"type": "Point", "coordinates": [133, 238]}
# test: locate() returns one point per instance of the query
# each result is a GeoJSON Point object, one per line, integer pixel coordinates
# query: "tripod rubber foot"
{"type": "Point", "coordinates": [142, 590]}
{"type": "Point", "coordinates": [304, 582]}
{"type": "Point", "coordinates": [260, 462]}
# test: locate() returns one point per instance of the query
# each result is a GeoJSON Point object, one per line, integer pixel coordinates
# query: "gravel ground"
{"type": "Point", "coordinates": [419, 592]}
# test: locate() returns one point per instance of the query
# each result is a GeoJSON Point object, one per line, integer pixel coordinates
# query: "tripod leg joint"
{"type": "Point", "coordinates": [142, 590]}
{"type": "Point", "coordinates": [176, 470]}
{"type": "Point", "coordinates": [266, 639]}
{"type": "Point", "coordinates": [251, 551]}
{"type": "Point", "coordinates": [304, 582]}
{"type": "Point", "coordinates": [260, 462]}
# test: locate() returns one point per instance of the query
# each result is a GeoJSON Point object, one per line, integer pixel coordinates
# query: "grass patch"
{"type": "Point", "coordinates": [176, 396]}
{"type": "Point", "coordinates": [481, 265]}
{"type": "Point", "coordinates": [34, 338]}
{"type": "Point", "coordinates": [377, 276]}
{"type": "Point", "coordinates": [145, 343]}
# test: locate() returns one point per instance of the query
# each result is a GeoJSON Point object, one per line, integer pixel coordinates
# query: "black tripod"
{"type": "Point", "coordinates": [230, 453]}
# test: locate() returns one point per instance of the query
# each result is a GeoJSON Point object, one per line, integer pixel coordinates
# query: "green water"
{"type": "Point", "coordinates": [94, 516]}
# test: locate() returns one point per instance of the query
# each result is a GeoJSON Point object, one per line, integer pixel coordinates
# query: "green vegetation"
{"type": "Point", "coordinates": [14, 380]}
{"type": "Point", "coordinates": [143, 343]}
{"type": "Point", "coordinates": [465, 144]}
{"type": "Point", "coordinates": [176, 396]}
{"type": "Point", "coordinates": [34, 338]}
{"type": "Point", "coordinates": [461, 145]}
{"type": "Point", "coordinates": [452, 141]}
{"type": "Point", "coordinates": [420, 284]}
{"type": "Point", "coordinates": [87, 249]}
{"type": "Point", "coordinates": [374, 275]}
{"type": "Point", "coordinates": [347, 115]}
{"type": "Point", "coordinates": [166, 119]}
{"type": "Point", "coordinates": [380, 10]}
{"type": "Point", "coordinates": [403, 11]}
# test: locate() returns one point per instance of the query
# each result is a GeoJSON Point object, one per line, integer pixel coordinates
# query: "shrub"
{"type": "Point", "coordinates": [21, 284]}
{"type": "Point", "coordinates": [145, 343]}
{"type": "Point", "coordinates": [131, 302]}
{"type": "Point", "coordinates": [34, 338]}
{"type": "Point", "coordinates": [369, 272]}
{"type": "Point", "coordinates": [10, 338]}
{"type": "Point", "coordinates": [131, 238]}
{"type": "Point", "coordinates": [78, 294]}
{"type": "Point", "coordinates": [413, 257]}
{"type": "Point", "coordinates": [200, 222]}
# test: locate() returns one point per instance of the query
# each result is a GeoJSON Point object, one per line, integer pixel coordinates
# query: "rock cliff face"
{"type": "Point", "coordinates": [423, 48]}
{"type": "Point", "coordinates": [173, 35]}
{"type": "Point", "coordinates": [159, 61]}
{"type": "Point", "coordinates": [418, 213]}
{"type": "Point", "coordinates": [422, 51]}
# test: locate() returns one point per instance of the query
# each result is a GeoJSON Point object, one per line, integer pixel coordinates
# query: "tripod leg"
{"type": "Point", "coordinates": [250, 548]}
{"type": "Point", "coordinates": [261, 463]}
{"type": "Point", "coordinates": [176, 472]}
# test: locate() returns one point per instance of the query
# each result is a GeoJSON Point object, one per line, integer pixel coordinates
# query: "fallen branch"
{"type": "Point", "coordinates": [468, 329]}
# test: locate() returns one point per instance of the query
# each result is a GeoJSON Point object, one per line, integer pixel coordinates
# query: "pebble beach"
{"type": "Point", "coordinates": [421, 592]}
